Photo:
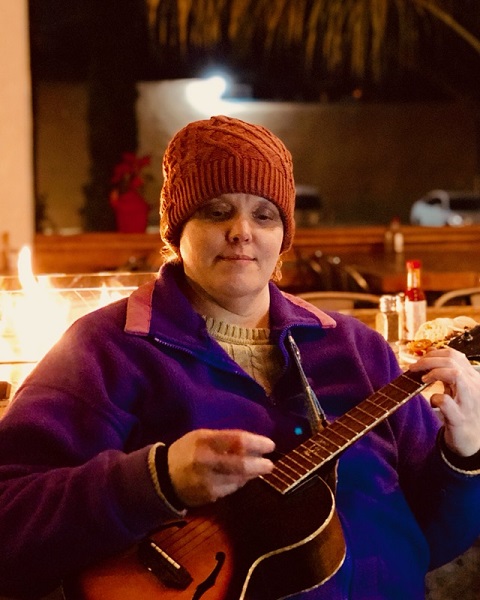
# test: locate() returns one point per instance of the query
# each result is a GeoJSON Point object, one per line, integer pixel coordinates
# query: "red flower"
{"type": "Point", "coordinates": [127, 174]}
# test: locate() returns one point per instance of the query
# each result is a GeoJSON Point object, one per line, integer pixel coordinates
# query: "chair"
{"type": "Point", "coordinates": [330, 273]}
{"type": "Point", "coordinates": [463, 296]}
{"type": "Point", "coordinates": [339, 300]}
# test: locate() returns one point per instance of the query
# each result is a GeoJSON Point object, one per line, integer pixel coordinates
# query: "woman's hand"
{"type": "Point", "coordinates": [460, 401]}
{"type": "Point", "coordinates": [206, 464]}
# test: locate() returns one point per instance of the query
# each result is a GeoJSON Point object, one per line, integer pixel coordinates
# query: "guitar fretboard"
{"type": "Point", "coordinates": [327, 444]}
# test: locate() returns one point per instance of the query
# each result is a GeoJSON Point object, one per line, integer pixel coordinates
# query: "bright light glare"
{"type": "Point", "coordinates": [205, 95]}
{"type": "Point", "coordinates": [218, 85]}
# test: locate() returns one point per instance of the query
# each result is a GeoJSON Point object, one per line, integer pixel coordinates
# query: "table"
{"type": "Point", "coordinates": [442, 271]}
{"type": "Point", "coordinates": [367, 315]}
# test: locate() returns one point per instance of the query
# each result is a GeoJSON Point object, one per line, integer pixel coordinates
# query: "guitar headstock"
{"type": "Point", "coordinates": [467, 342]}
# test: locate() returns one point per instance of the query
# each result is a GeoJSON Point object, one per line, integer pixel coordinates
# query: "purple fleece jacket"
{"type": "Point", "coordinates": [75, 484]}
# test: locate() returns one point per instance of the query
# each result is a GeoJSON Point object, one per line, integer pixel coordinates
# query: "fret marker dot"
{"type": "Point", "coordinates": [298, 431]}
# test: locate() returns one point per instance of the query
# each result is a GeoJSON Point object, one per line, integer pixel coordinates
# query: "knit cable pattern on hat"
{"type": "Point", "coordinates": [224, 155]}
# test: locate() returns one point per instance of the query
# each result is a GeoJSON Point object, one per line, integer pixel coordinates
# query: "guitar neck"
{"type": "Point", "coordinates": [327, 444]}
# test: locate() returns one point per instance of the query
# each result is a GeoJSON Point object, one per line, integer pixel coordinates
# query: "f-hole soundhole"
{"type": "Point", "coordinates": [210, 581]}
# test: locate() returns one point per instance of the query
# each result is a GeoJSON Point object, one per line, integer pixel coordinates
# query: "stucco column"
{"type": "Point", "coordinates": [16, 155]}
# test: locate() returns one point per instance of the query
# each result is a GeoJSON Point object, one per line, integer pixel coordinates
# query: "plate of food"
{"type": "Point", "coordinates": [437, 333]}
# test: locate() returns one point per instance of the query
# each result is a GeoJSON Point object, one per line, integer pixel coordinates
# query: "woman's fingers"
{"type": "Point", "coordinates": [205, 465]}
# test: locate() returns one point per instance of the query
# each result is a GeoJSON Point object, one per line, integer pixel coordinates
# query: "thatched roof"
{"type": "Point", "coordinates": [364, 36]}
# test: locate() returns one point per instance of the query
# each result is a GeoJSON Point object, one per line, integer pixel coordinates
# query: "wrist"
{"type": "Point", "coordinates": [163, 477]}
{"type": "Point", "coordinates": [462, 463]}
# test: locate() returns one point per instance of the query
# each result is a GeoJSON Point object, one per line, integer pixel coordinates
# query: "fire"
{"type": "Point", "coordinates": [32, 318]}
{"type": "Point", "coordinates": [24, 267]}
{"type": "Point", "coordinates": [35, 315]}
{"type": "Point", "coordinates": [107, 296]}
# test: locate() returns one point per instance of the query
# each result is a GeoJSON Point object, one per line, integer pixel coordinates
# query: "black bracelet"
{"type": "Point", "coordinates": [161, 466]}
{"type": "Point", "coordinates": [464, 463]}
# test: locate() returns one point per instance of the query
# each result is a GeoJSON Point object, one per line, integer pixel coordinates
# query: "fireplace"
{"type": "Point", "coordinates": [36, 310]}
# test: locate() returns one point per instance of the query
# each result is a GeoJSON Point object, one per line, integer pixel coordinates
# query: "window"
{"type": "Point", "coordinates": [464, 203]}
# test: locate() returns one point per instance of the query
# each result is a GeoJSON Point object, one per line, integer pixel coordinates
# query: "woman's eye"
{"type": "Point", "coordinates": [265, 215]}
{"type": "Point", "coordinates": [219, 213]}
{"type": "Point", "coordinates": [215, 212]}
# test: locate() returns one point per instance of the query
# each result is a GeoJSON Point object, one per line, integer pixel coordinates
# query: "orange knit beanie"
{"type": "Point", "coordinates": [223, 155]}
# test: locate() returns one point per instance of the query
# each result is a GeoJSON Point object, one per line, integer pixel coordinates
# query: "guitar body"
{"type": "Point", "coordinates": [257, 544]}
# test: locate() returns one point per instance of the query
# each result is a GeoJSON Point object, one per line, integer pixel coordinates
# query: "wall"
{"type": "Point", "coordinates": [369, 161]}
{"type": "Point", "coordinates": [62, 152]}
{"type": "Point", "coordinates": [16, 171]}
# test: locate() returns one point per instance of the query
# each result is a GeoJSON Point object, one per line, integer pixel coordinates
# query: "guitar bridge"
{"type": "Point", "coordinates": [163, 566]}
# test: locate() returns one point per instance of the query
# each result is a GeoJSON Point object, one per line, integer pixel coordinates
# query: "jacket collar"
{"type": "Point", "coordinates": [160, 309]}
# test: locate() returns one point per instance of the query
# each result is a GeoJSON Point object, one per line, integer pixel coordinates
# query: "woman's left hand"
{"type": "Point", "coordinates": [460, 401]}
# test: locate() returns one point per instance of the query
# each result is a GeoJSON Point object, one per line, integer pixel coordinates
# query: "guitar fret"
{"type": "Point", "coordinates": [354, 425]}
{"type": "Point", "coordinates": [395, 393]}
{"type": "Point", "coordinates": [292, 467]}
{"type": "Point", "coordinates": [367, 419]}
{"type": "Point", "coordinates": [287, 472]}
{"type": "Point", "coordinates": [360, 409]}
{"type": "Point", "coordinates": [325, 443]}
{"type": "Point", "coordinates": [346, 429]}
{"type": "Point", "coordinates": [301, 460]}
{"type": "Point", "coordinates": [386, 402]}
{"type": "Point", "coordinates": [313, 452]}
{"type": "Point", "coordinates": [276, 481]}
{"type": "Point", "coordinates": [398, 391]}
{"type": "Point", "coordinates": [377, 411]}
{"type": "Point", "coordinates": [340, 423]}
{"type": "Point", "coordinates": [338, 438]}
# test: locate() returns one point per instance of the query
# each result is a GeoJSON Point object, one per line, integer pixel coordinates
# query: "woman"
{"type": "Point", "coordinates": [181, 395]}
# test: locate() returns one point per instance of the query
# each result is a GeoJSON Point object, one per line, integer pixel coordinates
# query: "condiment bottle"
{"type": "Point", "coordinates": [401, 317]}
{"type": "Point", "coordinates": [415, 301]}
{"type": "Point", "coordinates": [393, 237]}
{"type": "Point", "coordinates": [386, 321]}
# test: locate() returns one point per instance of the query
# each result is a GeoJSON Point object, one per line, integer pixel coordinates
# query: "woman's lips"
{"type": "Point", "coordinates": [237, 257]}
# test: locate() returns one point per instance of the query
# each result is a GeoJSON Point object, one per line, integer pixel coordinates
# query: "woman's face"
{"type": "Point", "coordinates": [230, 246]}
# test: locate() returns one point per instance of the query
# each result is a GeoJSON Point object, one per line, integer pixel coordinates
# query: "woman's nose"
{"type": "Point", "coordinates": [240, 230]}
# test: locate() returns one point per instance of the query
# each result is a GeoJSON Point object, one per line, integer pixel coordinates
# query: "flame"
{"type": "Point", "coordinates": [25, 271]}
{"type": "Point", "coordinates": [107, 296]}
{"type": "Point", "coordinates": [33, 318]}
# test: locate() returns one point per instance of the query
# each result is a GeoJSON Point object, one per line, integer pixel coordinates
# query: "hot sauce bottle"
{"type": "Point", "coordinates": [415, 301]}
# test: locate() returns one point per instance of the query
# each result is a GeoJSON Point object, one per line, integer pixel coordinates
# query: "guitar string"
{"type": "Point", "coordinates": [184, 540]}
{"type": "Point", "coordinates": [320, 440]}
{"type": "Point", "coordinates": [197, 530]}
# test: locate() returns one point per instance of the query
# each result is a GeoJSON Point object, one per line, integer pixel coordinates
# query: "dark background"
{"type": "Point", "coordinates": [109, 45]}
{"type": "Point", "coordinates": [67, 36]}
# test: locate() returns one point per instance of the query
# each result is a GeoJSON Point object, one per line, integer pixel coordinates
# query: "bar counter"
{"type": "Point", "coordinates": [451, 255]}
{"type": "Point", "coordinates": [441, 270]}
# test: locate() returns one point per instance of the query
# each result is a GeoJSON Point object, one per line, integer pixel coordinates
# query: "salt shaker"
{"type": "Point", "coordinates": [387, 319]}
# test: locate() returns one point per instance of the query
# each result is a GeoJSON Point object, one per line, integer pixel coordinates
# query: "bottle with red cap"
{"type": "Point", "coordinates": [415, 300]}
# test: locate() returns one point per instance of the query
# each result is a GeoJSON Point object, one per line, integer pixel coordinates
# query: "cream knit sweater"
{"type": "Point", "coordinates": [250, 349]}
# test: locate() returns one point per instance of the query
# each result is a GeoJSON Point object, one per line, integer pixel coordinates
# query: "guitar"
{"type": "Point", "coordinates": [277, 536]}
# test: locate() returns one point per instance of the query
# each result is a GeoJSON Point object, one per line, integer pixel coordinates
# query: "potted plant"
{"type": "Point", "coordinates": [131, 208]}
